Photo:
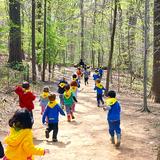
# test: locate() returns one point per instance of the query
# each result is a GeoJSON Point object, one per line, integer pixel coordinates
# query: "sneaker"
{"type": "Point", "coordinates": [69, 118]}
{"type": "Point", "coordinates": [73, 117]}
{"type": "Point", "coordinates": [47, 134]}
{"type": "Point", "coordinates": [112, 140]}
{"type": "Point", "coordinates": [54, 140]}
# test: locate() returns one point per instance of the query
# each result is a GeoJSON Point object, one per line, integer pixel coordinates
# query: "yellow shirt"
{"type": "Point", "coordinates": [20, 145]}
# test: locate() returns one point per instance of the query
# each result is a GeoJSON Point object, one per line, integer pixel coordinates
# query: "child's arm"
{"type": "Point", "coordinates": [75, 99]}
{"type": "Point", "coordinates": [44, 115]}
{"type": "Point", "coordinates": [19, 90]}
{"type": "Point", "coordinates": [32, 96]}
{"type": "Point", "coordinates": [106, 108]}
{"type": "Point", "coordinates": [30, 149]}
{"type": "Point", "coordinates": [61, 111]}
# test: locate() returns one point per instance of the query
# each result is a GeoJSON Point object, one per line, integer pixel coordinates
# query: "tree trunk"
{"type": "Point", "coordinates": [93, 34]}
{"type": "Point", "coordinates": [156, 58]}
{"type": "Point", "coordinates": [39, 29]}
{"type": "Point", "coordinates": [146, 40]}
{"type": "Point", "coordinates": [158, 156]}
{"type": "Point", "coordinates": [44, 42]}
{"type": "Point", "coordinates": [112, 48]}
{"type": "Point", "coordinates": [33, 43]}
{"type": "Point", "coordinates": [82, 28]}
{"type": "Point", "coordinates": [15, 54]}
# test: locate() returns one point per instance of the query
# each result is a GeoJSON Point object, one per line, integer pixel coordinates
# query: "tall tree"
{"type": "Point", "coordinates": [15, 53]}
{"type": "Point", "coordinates": [146, 46]}
{"type": "Point", "coordinates": [156, 58]}
{"type": "Point", "coordinates": [93, 34]}
{"type": "Point", "coordinates": [112, 46]}
{"type": "Point", "coordinates": [45, 40]}
{"type": "Point", "coordinates": [82, 28]}
{"type": "Point", "coordinates": [39, 29]}
{"type": "Point", "coordinates": [33, 43]}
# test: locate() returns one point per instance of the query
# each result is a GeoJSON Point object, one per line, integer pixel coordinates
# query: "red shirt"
{"type": "Point", "coordinates": [26, 98]}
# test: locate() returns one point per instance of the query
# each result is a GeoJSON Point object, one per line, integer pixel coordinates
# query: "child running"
{"type": "Point", "coordinates": [20, 139]}
{"type": "Point", "coordinates": [26, 97]}
{"type": "Point", "coordinates": [74, 89]}
{"type": "Point", "coordinates": [44, 99]}
{"type": "Point", "coordinates": [86, 76]}
{"type": "Point", "coordinates": [113, 117]}
{"type": "Point", "coordinates": [99, 88]}
{"type": "Point", "coordinates": [69, 100]}
{"type": "Point", "coordinates": [100, 72]}
{"type": "Point", "coordinates": [79, 73]}
{"type": "Point", "coordinates": [61, 86]}
{"type": "Point", "coordinates": [75, 78]}
{"type": "Point", "coordinates": [52, 114]}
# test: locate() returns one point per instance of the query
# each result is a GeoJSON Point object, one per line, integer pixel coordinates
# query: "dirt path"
{"type": "Point", "coordinates": [86, 138]}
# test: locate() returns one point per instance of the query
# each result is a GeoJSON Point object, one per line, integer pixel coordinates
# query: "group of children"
{"type": "Point", "coordinates": [20, 140]}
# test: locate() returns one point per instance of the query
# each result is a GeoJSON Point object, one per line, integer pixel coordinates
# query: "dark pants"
{"type": "Point", "coordinates": [99, 99]}
{"type": "Point", "coordinates": [86, 80]}
{"type": "Point", "coordinates": [114, 126]}
{"type": "Point", "coordinates": [1, 150]}
{"type": "Point", "coordinates": [32, 119]}
{"type": "Point", "coordinates": [100, 76]}
{"type": "Point", "coordinates": [54, 127]}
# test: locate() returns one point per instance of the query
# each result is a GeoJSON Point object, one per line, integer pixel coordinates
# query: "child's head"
{"type": "Point", "coordinates": [52, 97]}
{"type": "Point", "coordinates": [111, 94]}
{"type": "Point", "coordinates": [21, 119]}
{"type": "Point", "coordinates": [96, 71]}
{"type": "Point", "coordinates": [98, 81]}
{"type": "Point", "coordinates": [74, 76]}
{"type": "Point", "coordinates": [46, 89]}
{"type": "Point", "coordinates": [74, 83]}
{"type": "Point", "coordinates": [25, 85]}
{"type": "Point", "coordinates": [67, 87]}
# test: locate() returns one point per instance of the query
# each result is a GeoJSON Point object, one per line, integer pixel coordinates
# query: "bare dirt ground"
{"type": "Point", "coordinates": [87, 138]}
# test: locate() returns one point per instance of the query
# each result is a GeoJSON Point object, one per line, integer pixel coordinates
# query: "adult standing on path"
{"type": "Point", "coordinates": [81, 63]}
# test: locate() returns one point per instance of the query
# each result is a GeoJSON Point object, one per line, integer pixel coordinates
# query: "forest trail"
{"type": "Point", "coordinates": [87, 138]}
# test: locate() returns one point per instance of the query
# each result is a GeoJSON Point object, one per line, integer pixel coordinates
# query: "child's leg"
{"type": "Point", "coordinates": [61, 97]}
{"type": "Point", "coordinates": [48, 130]}
{"type": "Point", "coordinates": [73, 107]}
{"type": "Point", "coordinates": [101, 99]}
{"type": "Point", "coordinates": [111, 128]}
{"type": "Point", "coordinates": [117, 128]}
{"type": "Point", "coordinates": [72, 110]}
{"type": "Point", "coordinates": [55, 132]}
{"type": "Point", "coordinates": [87, 80]}
{"type": "Point", "coordinates": [42, 109]}
{"type": "Point", "coordinates": [118, 133]}
{"type": "Point", "coordinates": [68, 110]}
{"type": "Point", "coordinates": [98, 100]}
{"type": "Point", "coordinates": [111, 131]}
{"type": "Point", "coordinates": [32, 119]}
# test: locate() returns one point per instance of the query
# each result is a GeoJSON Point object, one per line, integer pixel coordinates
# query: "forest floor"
{"type": "Point", "coordinates": [87, 138]}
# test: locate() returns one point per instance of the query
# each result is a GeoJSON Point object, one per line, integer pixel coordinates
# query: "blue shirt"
{"type": "Point", "coordinates": [52, 114]}
{"type": "Point", "coordinates": [96, 76]}
{"type": "Point", "coordinates": [114, 112]}
{"type": "Point", "coordinates": [100, 71]}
